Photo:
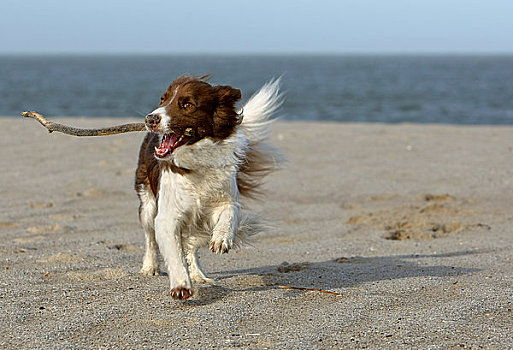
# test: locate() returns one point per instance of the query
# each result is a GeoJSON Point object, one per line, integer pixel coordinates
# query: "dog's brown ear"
{"type": "Point", "coordinates": [225, 114]}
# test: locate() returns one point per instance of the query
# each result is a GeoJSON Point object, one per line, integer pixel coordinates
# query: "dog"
{"type": "Point", "coordinates": [200, 155]}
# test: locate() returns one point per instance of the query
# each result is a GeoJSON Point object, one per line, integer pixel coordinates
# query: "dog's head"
{"type": "Point", "coordinates": [190, 110]}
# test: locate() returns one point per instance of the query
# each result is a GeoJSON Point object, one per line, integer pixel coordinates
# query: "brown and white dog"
{"type": "Point", "coordinates": [200, 154]}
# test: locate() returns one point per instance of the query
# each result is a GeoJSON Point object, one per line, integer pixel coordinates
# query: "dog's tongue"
{"type": "Point", "coordinates": [167, 145]}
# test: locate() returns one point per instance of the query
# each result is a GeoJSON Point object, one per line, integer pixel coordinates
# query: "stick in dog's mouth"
{"type": "Point", "coordinates": [65, 129]}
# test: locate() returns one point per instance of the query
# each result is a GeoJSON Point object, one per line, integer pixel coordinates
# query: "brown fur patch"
{"type": "Point", "coordinates": [208, 110]}
{"type": "Point", "coordinates": [191, 103]}
{"type": "Point", "coordinates": [255, 168]}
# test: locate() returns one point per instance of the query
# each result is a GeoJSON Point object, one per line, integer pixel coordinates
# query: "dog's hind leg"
{"type": "Point", "coordinates": [195, 270]}
{"type": "Point", "coordinates": [147, 213]}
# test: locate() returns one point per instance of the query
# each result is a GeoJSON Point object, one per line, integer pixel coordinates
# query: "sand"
{"type": "Point", "coordinates": [412, 225]}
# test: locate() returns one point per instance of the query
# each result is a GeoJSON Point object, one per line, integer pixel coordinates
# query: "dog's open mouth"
{"type": "Point", "coordinates": [169, 143]}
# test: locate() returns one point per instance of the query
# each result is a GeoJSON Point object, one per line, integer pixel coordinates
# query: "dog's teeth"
{"type": "Point", "coordinates": [189, 132]}
{"type": "Point", "coordinates": [156, 150]}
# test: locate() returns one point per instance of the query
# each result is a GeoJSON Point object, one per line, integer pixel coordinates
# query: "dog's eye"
{"type": "Point", "coordinates": [187, 105]}
{"type": "Point", "coordinates": [162, 99]}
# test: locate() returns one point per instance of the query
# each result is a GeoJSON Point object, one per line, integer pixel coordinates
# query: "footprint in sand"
{"type": "Point", "coordinates": [126, 247]}
{"type": "Point", "coordinates": [44, 228]}
{"type": "Point", "coordinates": [96, 276]}
{"type": "Point", "coordinates": [430, 216]}
{"type": "Point", "coordinates": [107, 274]}
{"type": "Point", "coordinates": [5, 224]}
{"type": "Point", "coordinates": [30, 239]}
{"type": "Point", "coordinates": [41, 205]}
{"type": "Point", "coordinates": [285, 267]}
{"type": "Point", "coordinates": [63, 258]}
{"type": "Point", "coordinates": [92, 192]}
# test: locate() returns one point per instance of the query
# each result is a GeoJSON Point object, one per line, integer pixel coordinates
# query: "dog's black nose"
{"type": "Point", "coordinates": [152, 120]}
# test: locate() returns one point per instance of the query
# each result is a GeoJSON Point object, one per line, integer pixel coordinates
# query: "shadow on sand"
{"type": "Point", "coordinates": [331, 275]}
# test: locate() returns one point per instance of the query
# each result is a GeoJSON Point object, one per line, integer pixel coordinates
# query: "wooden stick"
{"type": "Point", "coordinates": [310, 290]}
{"type": "Point", "coordinates": [51, 126]}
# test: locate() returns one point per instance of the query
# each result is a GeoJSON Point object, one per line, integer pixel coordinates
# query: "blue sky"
{"type": "Point", "coordinates": [262, 26]}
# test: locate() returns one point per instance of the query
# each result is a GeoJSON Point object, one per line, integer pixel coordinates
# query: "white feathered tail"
{"type": "Point", "coordinates": [261, 157]}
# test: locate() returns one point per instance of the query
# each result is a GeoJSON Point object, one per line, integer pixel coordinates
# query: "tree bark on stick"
{"type": "Point", "coordinates": [51, 126]}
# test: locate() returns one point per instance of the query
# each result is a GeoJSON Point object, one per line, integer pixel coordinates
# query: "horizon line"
{"type": "Point", "coordinates": [257, 53]}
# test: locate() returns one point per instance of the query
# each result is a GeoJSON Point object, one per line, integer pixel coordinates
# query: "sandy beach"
{"type": "Point", "coordinates": [410, 227]}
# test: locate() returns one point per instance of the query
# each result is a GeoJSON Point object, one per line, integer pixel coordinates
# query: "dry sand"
{"type": "Point", "coordinates": [411, 224]}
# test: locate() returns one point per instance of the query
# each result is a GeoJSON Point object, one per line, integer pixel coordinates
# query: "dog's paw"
{"type": "Point", "coordinates": [181, 293]}
{"type": "Point", "coordinates": [220, 245]}
{"type": "Point", "coordinates": [150, 270]}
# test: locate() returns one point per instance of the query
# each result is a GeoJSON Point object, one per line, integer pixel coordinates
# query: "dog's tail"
{"type": "Point", "coordinates": [261, 158]}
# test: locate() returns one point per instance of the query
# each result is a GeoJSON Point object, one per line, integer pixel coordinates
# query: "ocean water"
{"type": "Point", "coordinates": [389, 89]}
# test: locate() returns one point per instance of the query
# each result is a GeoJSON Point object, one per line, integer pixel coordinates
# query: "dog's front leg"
{"type": "Point", "coordinates": [173, 204]}
{"type": "Point", "coordinates": [226, 224]}
{"type": "Point", "coordinates": [168, 236]}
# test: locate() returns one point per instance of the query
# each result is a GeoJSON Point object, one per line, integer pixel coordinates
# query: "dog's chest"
{"type": "Point", "coordinates": [198, 190]}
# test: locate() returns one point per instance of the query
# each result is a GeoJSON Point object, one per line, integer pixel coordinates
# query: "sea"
{"type": "Point", "coordinates": [342, 88]}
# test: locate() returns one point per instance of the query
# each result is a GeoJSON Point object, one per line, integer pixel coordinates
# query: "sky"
{"type": "Point", "coordinates": [261, 26]}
